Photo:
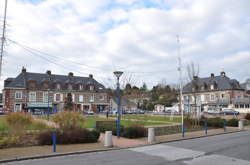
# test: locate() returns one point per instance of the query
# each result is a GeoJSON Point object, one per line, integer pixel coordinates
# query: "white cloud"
{"type": "Point", "coordinates": [131, 35]}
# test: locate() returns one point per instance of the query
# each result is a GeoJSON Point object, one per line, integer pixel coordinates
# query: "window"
{"type": "Point", "coordinates": [241, 105]}
{"type": "Point", "coordinates": [202, 98]}
{"type": "Point", "coordinates": [91, 98]}
{"type": "Point", "coordinates": [17, 107]}
{"type": "Point", "coordinates": [73, 97]}
{"type": "Point", "coordinates": [80, 98]}
{"type": "Point", "coordinates": [58, 86]}
{"type": "Point", "coordinates": [222, 96]}
{"type": "Point", "coordinates": [80, 87]}
{"type": "Point", "coordinates": [45, 97]}
{"type": "Point", "coordinates": [212, 97]}
{"type": "Point", "coordinates": [212, 87]}
{"type": "Point", "coordinates": [18, 95]}
{"type": "Point", "coordinates": [69, 87]}
{"type": "Point", "coordinates": [101, 97]}
{"type": "Point", "coordinates": [246, 105]}
{"type": "Point", "coordinates": [91, 87]}
{"type": "Point", "coordinates": [32, 96]}
{"type": "Point", "coordinates": [57, 97]}
{"type": "Point", "coordinates": [236, 106]}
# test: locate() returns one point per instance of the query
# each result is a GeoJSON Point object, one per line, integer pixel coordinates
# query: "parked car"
{"type": "Point", "coordinates": [141, 112]}
{"type": "Point", "coordinates": [213, 112]}
{"type": "Point", "coordinates": [90, 113]}
{"type": "Point", "coordinates": [37, 112]}
{"type": "Point", "coordinates": [229, 112]}
{"type": "Point", "coordinates": [3, 112]}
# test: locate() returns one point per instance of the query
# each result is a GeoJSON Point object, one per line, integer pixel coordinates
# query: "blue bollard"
{"type": "Point", "coordinates": [205, 128]}
{"type": "Point", "coordinates": [54, 141]}
{"type": "Point", "coordinates": [183, 130]}
{"type": "Point", "coordinates": [225, 125]}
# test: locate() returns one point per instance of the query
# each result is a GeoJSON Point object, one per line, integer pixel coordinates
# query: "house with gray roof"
{"type": "Point", "coordinates": [214, 92]}
{"type": "Point", "coordinates": [46, 91]}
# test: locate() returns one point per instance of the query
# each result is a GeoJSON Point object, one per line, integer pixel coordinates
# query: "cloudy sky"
{"type": "Point", "coordinates": [135, 36]}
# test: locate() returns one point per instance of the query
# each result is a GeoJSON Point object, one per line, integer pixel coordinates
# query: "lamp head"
{"type": "Point", "coordinates": [118, 73]}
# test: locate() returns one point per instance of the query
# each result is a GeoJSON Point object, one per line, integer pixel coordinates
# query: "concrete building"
{"type": "Point", "coordinates": [29, 91]}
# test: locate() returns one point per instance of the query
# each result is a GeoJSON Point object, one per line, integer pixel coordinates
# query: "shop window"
{"type": "Point", "coordinates": [18, 95]}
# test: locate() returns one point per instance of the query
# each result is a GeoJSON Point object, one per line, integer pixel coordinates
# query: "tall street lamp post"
{"type": "Point", "coordinates": [118, 97]}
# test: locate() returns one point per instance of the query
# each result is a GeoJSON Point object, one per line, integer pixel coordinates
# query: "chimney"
{"type": "Point", "coordinates": [91, 76]}
{"type": "Point", "coordinates": [23, 70]}
{"type": "Point", "coordinates": [223, 74]}
{"type": "Point", "coordinates": [48, 72]}
{"type": "Point", "coordinates": [71, 74]}
{"type": "Point", "coordinates": [212, 75]}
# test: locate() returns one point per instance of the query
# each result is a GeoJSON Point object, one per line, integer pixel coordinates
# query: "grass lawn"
{"type": "Point", "coordinates": [153, 118]}
{"type": "Point", "coordinates": [90, 122]}
{"type": "Point", "coordinates": [3, 124]}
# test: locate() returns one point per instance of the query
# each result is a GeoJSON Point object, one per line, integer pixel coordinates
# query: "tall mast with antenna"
{"type": "Point", "coordinates": [3, 37]}
{"type": "Point", "coordinates": [180, 72]}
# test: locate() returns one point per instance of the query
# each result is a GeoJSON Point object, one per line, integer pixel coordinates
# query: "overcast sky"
{"type": "Point", "coordinates": [135, 36]}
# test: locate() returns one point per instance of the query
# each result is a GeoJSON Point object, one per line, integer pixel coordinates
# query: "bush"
{"type": "Point", "coordinates": [214, 122]}
{"type": "Point", "coordinates": [8, 141]}
{"type": "Point", "coordinates": [68, 119]}
{"type": "Point", "coordinates": [18, 119]}
{"type": "Point", "coordinates": [233, 122]}
{"type": "Point", "coordinates": [135, 131]}
{"type": "Point", "coordinates": [247, 117]}
{"type": "Point", "coordinates": [110, 127]}
{"type": "Point", "coordinates": [69, 136]}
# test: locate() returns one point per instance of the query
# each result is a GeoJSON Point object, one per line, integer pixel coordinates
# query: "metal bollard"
{"type": "Point", "coordinates": [151, 135]}
{"type": "Point", "coordinates": [241, 125]}
{"type": "Point", "coordinates": [183, 130]}
{"type": "Point", "coordinates": [225, 126]}
{"type": "Point", "coordinates": [108, 139]}
{"type": "Point", "coordinates": [205, 128]}
{"type": "Point", "coordinates": [54, 141]}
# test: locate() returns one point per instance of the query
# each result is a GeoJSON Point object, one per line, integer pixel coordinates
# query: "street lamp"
{"type": "Point", "coordinates": [118, 75]}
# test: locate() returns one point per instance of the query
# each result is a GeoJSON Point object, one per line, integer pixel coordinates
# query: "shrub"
{"type": "Point", "coordinates": [8, 141]}
{"type": "Point", "coordinates": [215, 122]}
{"type": "Point", "coordinates": [68, 119]}
{"type": "Point", "coordinates": [18, 119]}
{"type": "Point", "coordinates": [233, 122]}
{"type": "Point", "coordinates": [110, 127]}
{"type": "Point", "coordinates": [247, 117]}
{"type": "Point", "coordinates": [135, 131]}
{"type": "Point", "coordinates": [69, 136]}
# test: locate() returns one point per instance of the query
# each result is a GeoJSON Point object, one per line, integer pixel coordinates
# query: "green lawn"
{"type": "Point", "coordinates": [91, 120]}
{"type": "Point", "coordinates": [153, 118]}
{"type": "Point", "coordinates": [3, 124]}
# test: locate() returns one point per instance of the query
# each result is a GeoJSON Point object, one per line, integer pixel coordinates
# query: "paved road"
{"type": "Point", "coordinates": [228, 149]}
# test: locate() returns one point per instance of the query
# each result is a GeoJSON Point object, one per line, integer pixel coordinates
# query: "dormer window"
{"type": "Point", "coordinates": [58, 86]}
{"type": "Point", "coordinates": [212, 86]}
{"type": "Point", "coordinates": [80, 87]}
{"type": "Point", "coordinates": [32, 84]}
{"type": "Point", "coordinates": [91, 87]}
{"type": "Point", "coordinates": [70, 87]}
{"type": "Point", "coordinates": [46, 85]}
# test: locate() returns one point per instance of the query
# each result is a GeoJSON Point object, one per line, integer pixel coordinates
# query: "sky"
{"type": "Point", "coordinates": [137, 37]}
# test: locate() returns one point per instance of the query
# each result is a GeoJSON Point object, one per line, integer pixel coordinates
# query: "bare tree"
{"type": "Point", "coordinates": [193, 77]}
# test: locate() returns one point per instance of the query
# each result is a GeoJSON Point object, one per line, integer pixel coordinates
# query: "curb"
{"type": "Point", "coordinates": [110, 149]}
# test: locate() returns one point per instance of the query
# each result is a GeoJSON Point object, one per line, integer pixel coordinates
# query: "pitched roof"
{"type": "Point", "coordinates": [219, 82]}
{"type": "Point", "coordinates": [21, 80]}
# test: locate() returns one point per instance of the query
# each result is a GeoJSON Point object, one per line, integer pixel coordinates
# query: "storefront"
{"type": "Point", "coordinates": [40, 108]}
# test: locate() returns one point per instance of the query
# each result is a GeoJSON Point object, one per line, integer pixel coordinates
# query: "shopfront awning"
{"type": "Point", "coordinates": [39, 105]}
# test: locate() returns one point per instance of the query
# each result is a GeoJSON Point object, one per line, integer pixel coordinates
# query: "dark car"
{"type": "Point", "coordinates": [229, 112]}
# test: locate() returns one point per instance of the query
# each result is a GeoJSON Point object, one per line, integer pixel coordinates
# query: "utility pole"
{"type": "Point", "coordinates": [180, 72]}
{"type": "Point", "coordinates": [3, 37]}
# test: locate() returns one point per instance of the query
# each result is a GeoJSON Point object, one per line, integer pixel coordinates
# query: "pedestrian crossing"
{"type": "Point", "coordinates": [188, 156]}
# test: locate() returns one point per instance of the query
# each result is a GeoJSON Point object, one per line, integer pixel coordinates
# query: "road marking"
{"type": "Point", "coordinates": [168, 152]}
{"type": "Point", "coordinates": [217, 160]}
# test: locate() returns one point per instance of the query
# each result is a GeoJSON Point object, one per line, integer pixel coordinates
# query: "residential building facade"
{"type": "Point", "coordinates": [29, 91]}
{"type": "Point", "coordinates": [214, 92]}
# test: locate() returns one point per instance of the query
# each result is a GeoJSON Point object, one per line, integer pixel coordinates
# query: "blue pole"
{"type": "Point", "coordinates": [54, 141]}
{"type": "Point", "coordinates": [225, 125]}
{"type": "Point", "coordinates": [206, 128]}
{"type": "Point", "coordinates": [183, 130]}
{"type": "Point", "coordinates": [118, 110]}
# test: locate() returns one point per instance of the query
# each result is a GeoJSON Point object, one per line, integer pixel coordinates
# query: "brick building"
{"type": "Point", "coordinates": [30, 91]}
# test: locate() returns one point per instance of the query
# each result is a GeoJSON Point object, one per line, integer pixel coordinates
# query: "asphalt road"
{"type": "Point", "coordinates": [227, 149]}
